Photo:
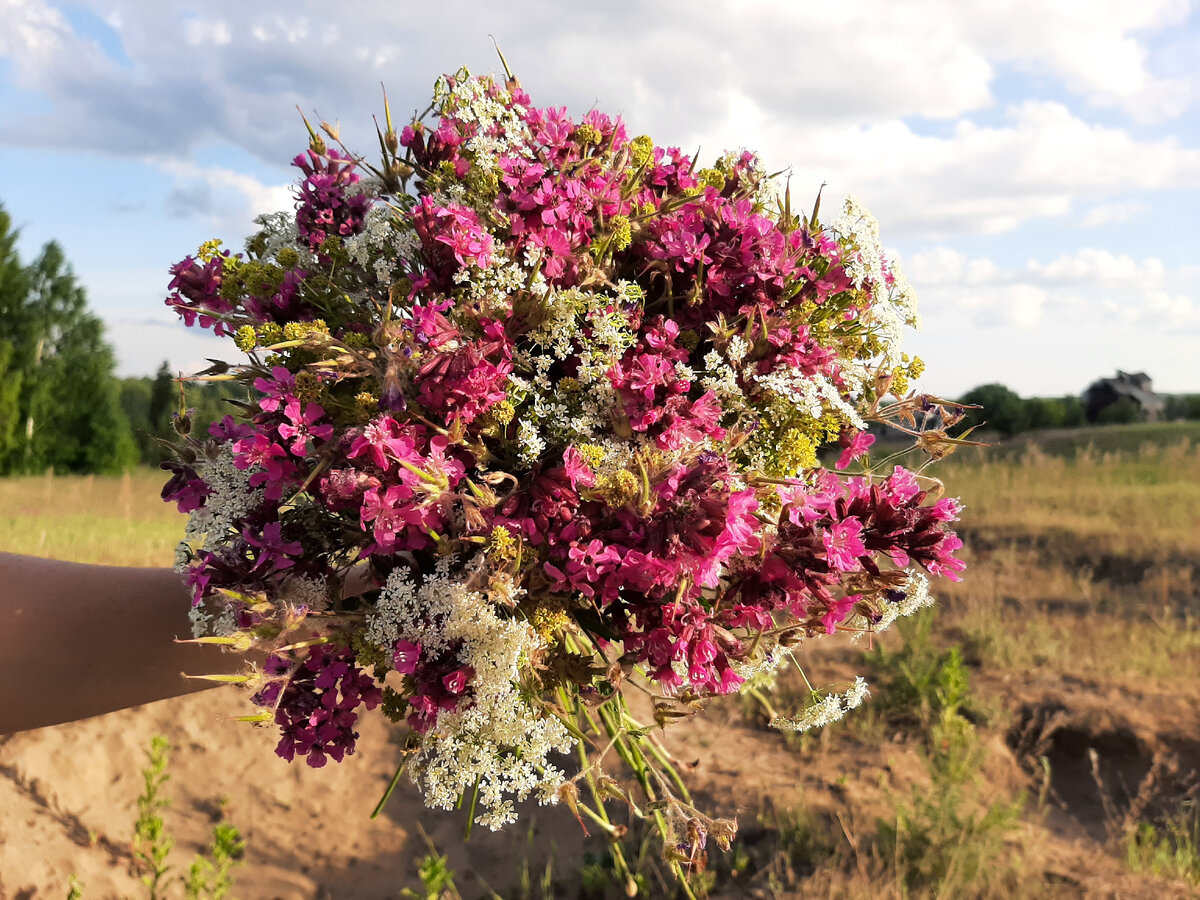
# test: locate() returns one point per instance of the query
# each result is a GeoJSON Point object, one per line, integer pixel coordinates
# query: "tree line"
{"type": "Point", "coordinates": [61, 405]}
{"type": "Point", "coordinates": [1002, 409]}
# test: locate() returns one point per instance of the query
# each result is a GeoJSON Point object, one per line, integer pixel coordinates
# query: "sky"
{"type": "Point", "coordinates": [1034, 164]}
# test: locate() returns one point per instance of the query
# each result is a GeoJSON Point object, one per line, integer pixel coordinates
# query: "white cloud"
{"type": "Point", "coordinates": [1089, 287]}
{"type": "Point", "coordinates": [827, 94]}
{"type": "Point", "coordinates": [1113, 213]}
{"type": "Point", "coordinates": [662, 64]}
{"type": "Point", "coordinates": [1096, 48]}
{"type": "Point", "coordinates": [199, 31]}
{"type": "Point", "coordinates": [1040, 163]}
{"type": "Point", "coordinates": [227, 200]}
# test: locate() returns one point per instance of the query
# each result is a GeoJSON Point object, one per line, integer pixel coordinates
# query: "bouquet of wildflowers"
{"type": "Point", "coordinates": [532, 418]}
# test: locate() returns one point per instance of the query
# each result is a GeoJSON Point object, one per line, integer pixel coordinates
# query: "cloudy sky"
{"type": "Point", "coordinates": [1034, 163]}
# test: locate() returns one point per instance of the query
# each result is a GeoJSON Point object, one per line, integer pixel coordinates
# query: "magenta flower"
{"type": "Point", "coordinates": [279, 389]}
{"type": "Point", "coordinates": [577, 469]}
{"type": "Point", "coordinates": [315, 706]}
{"type": "Point", "coordinates": [406, 656]}
{"type": "Point", "coordinates": [384, 442]}
{"type": "Point", "coordinates": [327, 209]}
{"type": "Point", "coordinates": [195, 293]}
{"type": "Point", "coordinates": [301, 426]}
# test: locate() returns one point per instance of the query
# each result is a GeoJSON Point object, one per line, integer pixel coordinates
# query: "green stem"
{"type": "Point", "coordinates": [665, 762]}
{"type": "Point", "coordinates": [471, 812]}
{"type": "Point", "coordinates": [599, 814]}
{"type": "Point", "coordinates": [758, 695]}
{"type": "Point", "coordinates": [387, 795]}
{"type": "Point", "coordinates": [681, 877]}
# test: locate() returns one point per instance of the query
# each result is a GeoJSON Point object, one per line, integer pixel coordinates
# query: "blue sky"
{"type": "Point", "coordinates": [1034, 163]}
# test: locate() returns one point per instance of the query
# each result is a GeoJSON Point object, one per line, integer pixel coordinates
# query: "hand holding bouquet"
{"type": "Point", "coordinates": [553, 394]}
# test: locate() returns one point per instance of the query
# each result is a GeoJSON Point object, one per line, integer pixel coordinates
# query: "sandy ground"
{"type": "Point", "coordinates": [68, 796]}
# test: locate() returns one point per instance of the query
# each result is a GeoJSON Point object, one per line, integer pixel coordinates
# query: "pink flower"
{"type": "Point", "coordinates": [855, 447]}
{"type": "Point", "coordinates": [383, 441]}
{"type": "Point", "coordinates": [456, 681]}
{"type": "Point", "coordinates": [259, 451]}
{"type": "Point", "coordinates": [406, 657]}
{"type": "Point", "coordinates": [843, 546]}
{"type": "Point", "coordinates": [301, 426]}
{"type": "Point", "coordinates": [741, 526]}
{"type": "Point", "coordinates": [944, 563]}
{"type": "Point", "coordinates": [946, 510]}
{"type": "Point", "coordinates": [901, 486]}
{"type": "Point", "coordinates": [279, 389]}
{"type": "Point", "coordinates": [272, 547]}
{"type": "Point", "coordinates": [837, 611]}
{"type": "Point", "coordinates": [578, 471]}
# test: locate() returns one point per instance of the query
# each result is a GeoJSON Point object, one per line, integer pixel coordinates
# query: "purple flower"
{"type": "Point", "coordinates": [273, 549]}
{"type": "Point", "coordinates": [316, 707]}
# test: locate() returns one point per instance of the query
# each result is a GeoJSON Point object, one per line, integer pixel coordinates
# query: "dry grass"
{"type": "Point", "coordinates": [116, 520]}
{"type": "Point", "coordinates": [1144, 502]}
{"type": "Point", "coordinates": [1084, 564]}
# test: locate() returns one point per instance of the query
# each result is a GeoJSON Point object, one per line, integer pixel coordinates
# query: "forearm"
{"type": "Point", "coordinates": [79, 640]}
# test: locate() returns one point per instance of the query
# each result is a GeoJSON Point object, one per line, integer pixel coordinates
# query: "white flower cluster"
{"type": "Point", "coordinates": [310, 593]}
{"type": "Point", "coordinates": [384, 241]}
{"type": "Point", "coordinates": [577, 325]}
{"type": "Point", "coordinates": [866, 266]}
{"type": "Point", "coordinates": [761, 669]}
{"type": "Point", "coordinates": [232, 497]}
{"type": "Point", "coordinates": [501, 127]}
{"type": "Point", "coordinates": [210, 527]}
{"type": "Point", "coordinates": [498, 744]}
{"type": "Point", "coordinates": [812, 394]}
{"type": "Point", "coordinates": [278, 230]}
{"type": "Point", "coordinates": [893, 307]}
{"type": "Point", "coordinates": [825, 711]}
{"type": "Point", "coordinates": [530, 441]}
{"type": "Point", "coordinates": [492, 288]}
{"type": "Point", "coordinates": [720, 378]}
{"type": "Point", "coordinates": [916, 597]}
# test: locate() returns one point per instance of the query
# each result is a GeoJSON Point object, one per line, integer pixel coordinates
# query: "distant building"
{"type": "Point", "coordinates": [1135, 386]}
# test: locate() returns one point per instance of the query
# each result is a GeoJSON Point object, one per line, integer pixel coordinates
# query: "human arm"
{"type": "Point", "coordinates": [79, 640]}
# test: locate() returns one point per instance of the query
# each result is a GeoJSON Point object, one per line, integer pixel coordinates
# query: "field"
{"type": "Point", "coordinates": [1037, 735]}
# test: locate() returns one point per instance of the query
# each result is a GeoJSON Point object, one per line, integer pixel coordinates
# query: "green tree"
{"type": "Point", "coordinates": [1045, 412]}
{"type": "Point", "coordinates": [135, 403]}
{"type": "Point", "coordinates": [1182, 406]}
{"type": "Point", "coordinates": [163, 393]}
{"type": "Point", "coordinates": [1124, 412]}
{"type": "Point", "coordinates": [1001, 408]}
{"type": "Point", "coordinates": [10, 403]}
{"type": "Point", "coordinates": [1074, 415]}
{"type": "Point", "coordinates": [66, 412]}
{"type": "Point", "coordinates": [13, 288]}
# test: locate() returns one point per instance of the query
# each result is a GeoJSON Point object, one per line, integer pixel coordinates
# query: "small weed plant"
{"type": "Point", "coordinates": [920, 681]}
{"type": "Point", "coordinates": [1170, 850]}
{"type": "Point", "coordinates": [210, 876]}
{"type": "Point", "coordinates": [947, 841]}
